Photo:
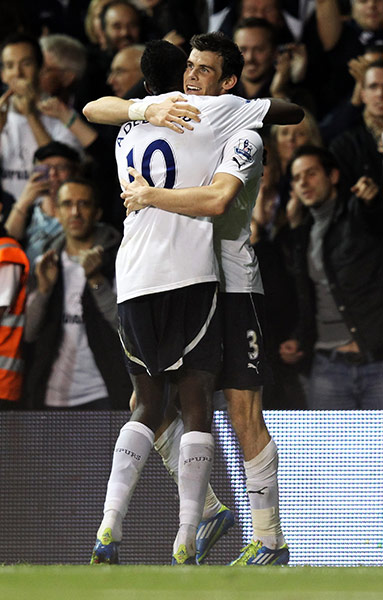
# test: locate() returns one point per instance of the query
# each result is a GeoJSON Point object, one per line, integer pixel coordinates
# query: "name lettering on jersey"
{"type": "Point", "coordinates": [244, 152]}
{"type": "Point", "coordinates": [128, 127]}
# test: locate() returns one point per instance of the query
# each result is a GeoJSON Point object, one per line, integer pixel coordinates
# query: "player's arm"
{"type": "Point", "coordinates": [282, 112]}
{"type": "Point", "coordinates": [211, 200]}
{"type": "Point", "coordinates": [111, 110]}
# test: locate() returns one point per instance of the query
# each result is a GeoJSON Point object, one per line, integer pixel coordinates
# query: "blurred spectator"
{"type": "Point", "coordinates": [271, 10]}
{"type": "Point", "coordinates": [257, 41]}
{"type": "Point", "coordinates": [65, 61]}
{"type": "Point", "coordinates": [72, 315]}
{"type": "Point", "coordinates": [93, 28]}
{"type": "Point", "coordinates": [343, 39]}
{"type": "Point", "coordinates": [14, 268]}
{"type": "Point", "coordinates": [120, 25]}
{"type": "Point", "coordinates": [64, 65]}
{"type": "Point", "coordinates": [359, 151]}
{"type": "Point", "coordinates": [270, 239]}
{"type": "Point", "coordinates": [348, 113]}
{"type": "Point", "coordinates": [125, 70]}
{"type": "Point", "coordinates": [282, 142]}
{"type": "Point", "coordinates": [338, 251]}
{"type": "Point", "coordinates": [32, 219]}
{"type": "Point", "coordinates": [23, 127]}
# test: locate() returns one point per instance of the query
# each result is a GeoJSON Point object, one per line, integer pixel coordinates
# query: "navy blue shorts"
{"type": "Point", "coordinates": [164, 331]}
{"type": "Point", "coordinates": [244, 360]}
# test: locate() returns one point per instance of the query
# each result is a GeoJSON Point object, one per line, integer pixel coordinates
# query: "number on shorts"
{"type": "Point", "coordinates": [166, 151]}
{"type": "Point", "coordinates": [252, 337]}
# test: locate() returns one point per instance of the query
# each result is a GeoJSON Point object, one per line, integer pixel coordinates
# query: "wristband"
{"type": "Point", "coordinates": [137, 111]}
{"type": "Point", "coordinates": [72, 119]}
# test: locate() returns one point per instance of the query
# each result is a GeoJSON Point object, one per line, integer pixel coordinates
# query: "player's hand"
{"type": "Point", "coordinates": [365, 189]}
{"type": "Point", "coordinates": [4, 104]}
{"type": "Point", "coordinates": [289, 352]}
{"type": "Point", "coordinates": [135, 194]}
{"type": "Point", "coordinates": [47, 271]}
{"type": "Point", "coordinates": [171, 112]}
{"type": "Point", "coordinates": [91, 260]}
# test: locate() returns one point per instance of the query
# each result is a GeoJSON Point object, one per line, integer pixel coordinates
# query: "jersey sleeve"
{"type": "Point", "coordinates": [227, 114]}
{"type": "Point", "coordinates": [242, 156]}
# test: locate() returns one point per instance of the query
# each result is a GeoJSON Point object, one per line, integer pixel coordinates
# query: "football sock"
{"type": "Point", "coordinates": [195, 463]}
{"type": "Point", "coordinates": [262, 488]}
{"type": "Point", "coordinates": [168, 447]}
{"type": "Point", "coordinates": [131, 451]}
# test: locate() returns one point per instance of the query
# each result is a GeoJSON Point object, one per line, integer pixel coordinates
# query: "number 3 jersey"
{"type": "Point", "coordinates": [161, 250]}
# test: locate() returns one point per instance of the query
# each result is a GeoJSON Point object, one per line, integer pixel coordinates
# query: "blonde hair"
{"type": "Point", "coordinates": [89, 19]}
{"type": "Point", "coordinates": [273, 159]}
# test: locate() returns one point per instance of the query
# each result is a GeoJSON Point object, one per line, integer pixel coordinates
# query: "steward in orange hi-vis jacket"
{"type": "Point", "coordinates": [12, 321]}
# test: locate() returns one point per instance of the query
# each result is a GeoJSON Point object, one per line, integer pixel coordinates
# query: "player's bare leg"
{"type": "Point", "coordinates": [261, 467]}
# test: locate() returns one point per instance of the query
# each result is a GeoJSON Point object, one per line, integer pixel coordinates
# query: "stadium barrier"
{"type": "Point", "coordinates": [55, 465]}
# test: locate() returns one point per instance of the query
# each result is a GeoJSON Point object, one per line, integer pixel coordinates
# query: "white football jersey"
{"type": "Point", "coordinates": [239, 269]}
{"type": "Point", "coordinates": [18, 145]}
{"type": "Point", "coordinates": [162, 250]}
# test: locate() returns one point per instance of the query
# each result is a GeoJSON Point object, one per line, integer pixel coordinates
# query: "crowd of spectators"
{"type": "Point", "coordinates": [61, 214]}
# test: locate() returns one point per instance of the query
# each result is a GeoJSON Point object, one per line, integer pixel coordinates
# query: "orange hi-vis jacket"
{"type": "Point", "coordinates": [12, 325]}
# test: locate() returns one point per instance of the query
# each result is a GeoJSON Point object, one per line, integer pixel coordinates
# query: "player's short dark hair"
{"type": "Point", "coordinates": [82, 181]}
{"type": "Point", "coordinates": [255, 22]}
{"type": "Point", "coordinates": [57, 149]}
{"type": "Point", "coordinates": [324, 156]}
{"type": "Point", "coordinates": [116, 3]}
{"type": "Point", "coordinates": [219, 43]}
{"type": "Point", "coordinates": [24, 38]}
{"type": "Point", "coordinates": [163, 65]}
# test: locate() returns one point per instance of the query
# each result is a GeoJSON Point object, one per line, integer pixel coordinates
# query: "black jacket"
{"type": "Point", "coordinates": [357, 155]}
{"type": "Point", "coordinates": [353, 262]}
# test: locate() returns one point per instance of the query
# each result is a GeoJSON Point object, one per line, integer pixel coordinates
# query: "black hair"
{"type": "Point", "coordinates": [255, 22]}
{"type": "Point", "coordinates": [24, 38]}
{"type": "Point", "coordinates": [56, 149]}
{"type": "Point", "coordinates": [324, 156]}
{"type": "Point", "coordinates": [82, 181]}
{"type": "Point", "coordinates": [163, 65]}
{"type": "Point", "coordinates": [217, 42]}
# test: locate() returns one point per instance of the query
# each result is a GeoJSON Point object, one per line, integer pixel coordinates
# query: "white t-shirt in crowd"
{"type": "Point", "coordinates": [75, 378]}
{"type": "Point", "coordinates": [162, 250]}
{"type": "Point", "coordinates": [18, 145]}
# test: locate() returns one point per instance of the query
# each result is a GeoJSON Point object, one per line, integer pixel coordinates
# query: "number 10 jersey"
{"type": "Point", "coordinates": [161, 250]}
